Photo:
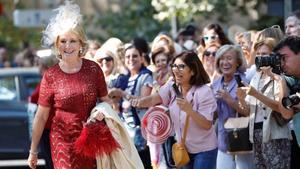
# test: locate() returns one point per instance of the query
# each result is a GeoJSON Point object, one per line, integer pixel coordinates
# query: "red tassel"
{"type": "Point", "coordinates": [95, 139]}
{"type": "Point", "coordinates": [145, 121]}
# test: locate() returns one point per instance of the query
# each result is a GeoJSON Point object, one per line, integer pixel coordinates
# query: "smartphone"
{"type": "Point", "coordinates": [178, 93]}
{"type": "Point", "coordinates": [238, 80]}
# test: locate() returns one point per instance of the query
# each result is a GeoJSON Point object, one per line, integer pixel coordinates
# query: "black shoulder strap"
{"type": "Point", "coordinates": [266, 86]}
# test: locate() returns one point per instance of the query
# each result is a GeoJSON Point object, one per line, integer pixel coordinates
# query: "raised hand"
{"type": "Point", "coordinates": [184, 105]}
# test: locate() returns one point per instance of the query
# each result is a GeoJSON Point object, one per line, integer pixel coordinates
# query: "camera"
{"type": "Point", "coordinates": [290, 101]}
{"type": "Point", "coordinates": [273, 60]}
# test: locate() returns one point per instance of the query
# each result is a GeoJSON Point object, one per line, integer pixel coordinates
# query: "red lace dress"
{"type": "Point", "coordinates": [73, 96]}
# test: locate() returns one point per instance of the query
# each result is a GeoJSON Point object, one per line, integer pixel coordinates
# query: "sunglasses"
{"type": "Point", "coordinates": [107, 59]}
{"type": "Point", "coordinates": [213, 37]}
{"type": "Point", "coordinates": [276, 26]}
{"type": "Point", "coordinates": [179, 66]}
{"type": "Point", "coordinates": [208, 53]}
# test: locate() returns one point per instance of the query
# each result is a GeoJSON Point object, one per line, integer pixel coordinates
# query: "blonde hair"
{"type": "Point", "coordinates": [274, 32]}
{"type": "Point", "coordinates": [67, 19]}
{"type": "Point", "coordinates": [270, 42]}
{"type": "Point", "coordinates": [113, 47]}
{"type": "Point", "coordinates": [79, 32]}
{"type": "Point", "coordinates": [169, 47]}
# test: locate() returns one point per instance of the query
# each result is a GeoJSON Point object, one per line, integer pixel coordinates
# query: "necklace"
{"type": "Point", "coordinates": [225, 86]}
{"type": "Point", "coordinates": [70, 69]}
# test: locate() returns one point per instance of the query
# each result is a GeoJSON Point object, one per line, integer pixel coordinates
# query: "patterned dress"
{"type": "Point", "coordinates": [73, 96]}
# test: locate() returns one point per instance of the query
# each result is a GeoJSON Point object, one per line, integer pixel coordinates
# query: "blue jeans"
{"type": "Point", "coordinates": [239, 161]}
{"type": "Point", "coordinates": [203, 160]}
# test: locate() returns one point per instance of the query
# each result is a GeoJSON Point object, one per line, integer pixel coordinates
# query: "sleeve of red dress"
{"type": "Point", "coordinates": [46, 91]}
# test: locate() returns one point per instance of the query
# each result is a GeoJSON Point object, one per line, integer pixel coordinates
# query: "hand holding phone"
{"type": "Point", "coordinates": [178, 93]}
{"type": "Point", "coordinates": [238, 80]}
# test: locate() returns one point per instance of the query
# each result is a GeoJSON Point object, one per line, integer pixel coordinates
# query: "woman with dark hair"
{"type": "Point", "coordinates": [197, 103]}
{"type": "Point", "coordinates": [212, 34]}
{"type": "Point", "coordinates": [143, 46]}
{"type": "Point", "coordinates": [138, 82]}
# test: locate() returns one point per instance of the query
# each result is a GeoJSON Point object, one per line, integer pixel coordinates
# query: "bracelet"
{"type": "Point", "coordinates": [127, 96]}
{"type": "Point", "coordinates": [243, 106]}
{"type": "Point", "coordinates": [33, 152]}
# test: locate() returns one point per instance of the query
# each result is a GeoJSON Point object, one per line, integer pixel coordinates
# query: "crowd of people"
{"type": "Point", "coordinates": [135, 76]}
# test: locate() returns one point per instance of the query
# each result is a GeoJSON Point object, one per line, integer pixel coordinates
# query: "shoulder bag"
{"type": "Point", "coordinates": [179, 152]}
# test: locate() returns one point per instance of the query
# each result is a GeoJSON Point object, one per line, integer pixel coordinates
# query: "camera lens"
{"type": "Point", "coordinates": [261, 61]}
{"type": "Point", "coordinates": [273, 60]}
{"type": "Point", "coordinates": [290, 101]}
{"type": "Point", "coordinates": [286, 102]}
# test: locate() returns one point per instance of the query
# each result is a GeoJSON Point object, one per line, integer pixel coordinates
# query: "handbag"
{"type": "Point", "coordinates": [281, 121]}
{"type": "Point", "coordinates": [237, 135]}
{"type": "Point", "coordinates": [179, 152]}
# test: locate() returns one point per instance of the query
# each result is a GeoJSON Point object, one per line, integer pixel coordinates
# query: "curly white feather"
{"type": "Point", "coordinates": [67, 18]}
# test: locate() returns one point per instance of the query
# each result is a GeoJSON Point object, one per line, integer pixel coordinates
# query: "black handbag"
{"type": "Point", "coordinates": [237, 132]}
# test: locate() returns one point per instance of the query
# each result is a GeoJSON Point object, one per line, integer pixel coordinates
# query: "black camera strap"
{"type": "Point", "coordinates": [262, 91]}
{"type": "Point", "coordinates": [266, 86]}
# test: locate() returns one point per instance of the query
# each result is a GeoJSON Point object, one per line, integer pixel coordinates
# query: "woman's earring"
{"type": "Point", "coordinates": [80, 51]}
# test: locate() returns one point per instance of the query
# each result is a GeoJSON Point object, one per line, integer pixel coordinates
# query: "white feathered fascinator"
{"type": "Point", "coordinates": [67, 18]}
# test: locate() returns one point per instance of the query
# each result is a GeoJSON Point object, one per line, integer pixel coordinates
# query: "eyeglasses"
{"type": "Point", "coordinates": [213, 37]}
{"type": "Point", "coordinates": [208, 53]}
{"type": "Point", "coordinates": [180, 67]}
{"type": "Point", "coordinates": [107, 59]}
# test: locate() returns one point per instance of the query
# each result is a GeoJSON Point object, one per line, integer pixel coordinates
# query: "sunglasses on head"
{"type": "Point", "coordinates": [208, 53]}
{"type": "Point", "coordinates": [179, 66]}
{"type": "Point", "coordinates": [107, 59]}
{"type": "Point", "coordinates": [213, 37]}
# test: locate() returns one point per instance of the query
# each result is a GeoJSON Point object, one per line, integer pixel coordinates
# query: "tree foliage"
{"type": "Point", "coordinates": [13, 37]}
{"type": "Point", "coordinates": [203, 10]}
{"type": "Point", "coordinates": [135, 18]}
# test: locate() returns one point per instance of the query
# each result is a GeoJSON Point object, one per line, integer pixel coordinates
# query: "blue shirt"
{"type": "Point", "coordinates": [224, 110]}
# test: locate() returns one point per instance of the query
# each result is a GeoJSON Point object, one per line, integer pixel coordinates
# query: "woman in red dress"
{"type": "Point", "coordinates": [71, 87]}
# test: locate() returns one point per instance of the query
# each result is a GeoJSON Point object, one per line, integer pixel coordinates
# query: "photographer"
{"type": "Point", "coordinates": [260, 99]}
{"type": "Point", "coordinates": [289, 49]}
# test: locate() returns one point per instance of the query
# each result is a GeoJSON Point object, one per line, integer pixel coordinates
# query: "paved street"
{"type": "Point", "coordinates": [18, 164]}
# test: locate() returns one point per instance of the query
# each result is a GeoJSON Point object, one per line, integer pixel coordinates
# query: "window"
{"type": "Point", "coordinates": [30, 82]}
{"type": "Point", "coordinates": [8, 89]}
